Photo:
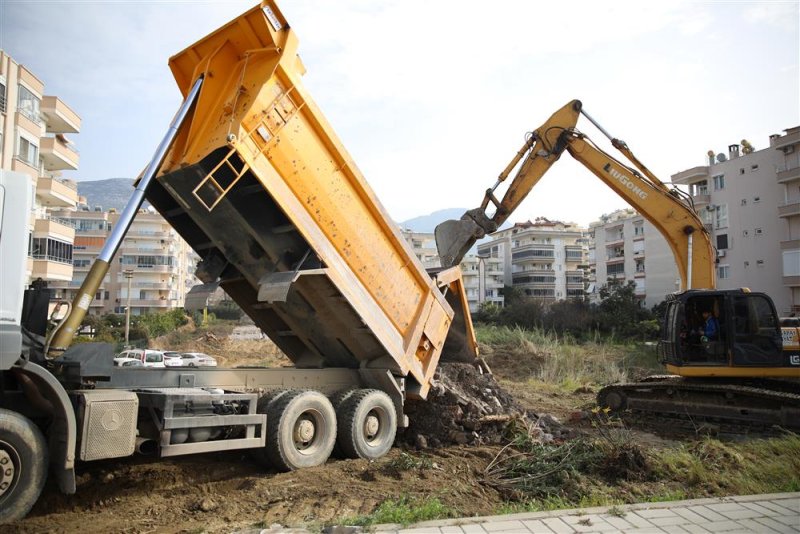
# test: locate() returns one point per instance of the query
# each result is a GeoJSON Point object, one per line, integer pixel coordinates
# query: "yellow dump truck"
{"type": "Point", "coordinates": [253, 177]}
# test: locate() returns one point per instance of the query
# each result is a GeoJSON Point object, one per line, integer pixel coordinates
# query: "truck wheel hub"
{"type": "Point", "coordinates": [7, 469]}
{"type": "Point", "coordinates": [304, 432]}
{"type": "Point", "coordinates": [371, 426]}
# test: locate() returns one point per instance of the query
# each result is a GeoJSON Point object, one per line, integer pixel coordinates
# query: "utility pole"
{"type": "Point", "coordinates": [128, 273]}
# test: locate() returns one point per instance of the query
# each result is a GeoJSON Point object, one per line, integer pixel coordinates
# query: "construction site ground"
{"type": "Point", "coordinates": [224, 492]}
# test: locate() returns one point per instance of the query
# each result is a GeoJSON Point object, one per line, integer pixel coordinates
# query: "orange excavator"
{"type": "Point", "coordinates": [741, 369]}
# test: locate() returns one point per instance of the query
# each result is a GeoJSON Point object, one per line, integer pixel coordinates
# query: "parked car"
{"type": "Point", "coordinates": [127, 362]}
{"type": "Point", "coordinates": [172, 358]}
{"type": "Point", "coordinates": [148, 357]}
{"type": "Point", "coordinates": [198, 359]}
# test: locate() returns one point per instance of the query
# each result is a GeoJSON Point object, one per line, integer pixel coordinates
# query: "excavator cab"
{"type": "Point", "coordinates": [728, 329]}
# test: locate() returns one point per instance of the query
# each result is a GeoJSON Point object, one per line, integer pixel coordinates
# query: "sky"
{"type": "Point", "coordinates": [433, 98]}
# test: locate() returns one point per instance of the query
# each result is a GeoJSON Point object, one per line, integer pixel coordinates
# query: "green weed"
{"type": "Point", "coordinates": [404, 511]}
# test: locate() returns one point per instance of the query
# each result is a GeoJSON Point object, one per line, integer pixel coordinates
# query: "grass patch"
{"type": "Point", "coordinates": [517, 353]}
{"type": "Point", "coordinates": [404, 511]}
{"type": "Point", "coordinates": [713, 467]}
{"type": "Point", "coordinates": [408, 462]}
{"type": "Point", "coordinates": [558, 502]}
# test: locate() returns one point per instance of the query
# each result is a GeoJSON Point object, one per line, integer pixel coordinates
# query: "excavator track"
{"type": "Point", "coordinates": [743, 405]}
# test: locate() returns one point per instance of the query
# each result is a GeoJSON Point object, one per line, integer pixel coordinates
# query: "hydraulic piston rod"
{"type": "Point", "coordinates": [61, 337]}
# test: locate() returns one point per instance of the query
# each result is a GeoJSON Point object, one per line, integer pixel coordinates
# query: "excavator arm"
{"type": "Point", "coordinates": [542, 148]}
{"type": "Point", "coordinates": [668, 209]}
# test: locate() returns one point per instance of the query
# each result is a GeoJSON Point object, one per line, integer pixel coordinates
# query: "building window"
{"type": "Point", "coordinates": [754, 167]}
{"type": "Point", "coordinates": [28, 104]}
{"type": "Point", "coordinates": [43, 248]}
{"type": "Point", "coordinates": [744, 202]}
{"type": "Point", "coordinates": [756, 199]}
{"type": "Point", "coordinates": [719, 182]}
{"type": "Point", "coordinates": [617, 268]}
{"type": "Point", "coordinates": [638, 230]}
{"type": "Point", "coordinates": [722, 241]}
{"type": "Point", "coordinates": [721, 218]}
{"type": "Point", "coordinates": [701, 188]}
{"type": "Point", "coordinates": [741, 171]}
{"type": "Point", "coordinates": [723, 271]}
{"type": "Point", "coordinates": [28, 152]}
{"type": "Point", "coordinates": [759, 263]}
{"type": "Point", "coordinates": [2, 96]}
{"type": "Point", "coordinates": [758, 231]}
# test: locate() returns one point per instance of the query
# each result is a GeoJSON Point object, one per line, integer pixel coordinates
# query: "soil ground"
{"type": "Point", "coordinates": [220, 492]}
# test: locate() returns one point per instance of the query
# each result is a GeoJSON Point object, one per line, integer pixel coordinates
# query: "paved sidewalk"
{"type": "Point", "coordinates": [773, 513]}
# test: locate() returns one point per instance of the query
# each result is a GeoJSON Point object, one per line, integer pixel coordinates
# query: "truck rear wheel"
{"type": "Point", "coordinates": [23, 465]}
{"type": "Point", "coordinates": [367, 424]}
{"type": "Point", "coordinates": [301, 430]}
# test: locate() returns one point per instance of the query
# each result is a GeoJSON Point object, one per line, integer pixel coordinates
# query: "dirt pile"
{"type": "Point", "coordinates": [466, 406]}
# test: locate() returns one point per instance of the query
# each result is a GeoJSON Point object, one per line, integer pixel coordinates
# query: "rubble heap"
{"type": "Point", "coordinates": [466, 405]}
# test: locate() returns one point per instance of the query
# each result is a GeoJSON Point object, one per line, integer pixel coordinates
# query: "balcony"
{"type": "Point", "coordinates": [147, 303]}
{"type": "Point", "coordinates": [51, 270]}
{"type": "Point", "coordinates": [57, 154]}
{"type": "Point", "coordinates": [788, 175]}
{"type": "Point", "coordinates": [149, 233]}
{"type": "Point", "coordinates": [55, 228]}
{"type": "Point", "coordinates": [152, 268]}
{"type": "Point", "coordinates": [790, 208]}
{"type": "Point", "coordinates": [28, 121]}
{"type": "Point", "coordinates": [790, 244]}
{"type": "Point", "coordinates": [690, 175]}
{"type": "Point", "coordinates": [791, 281]}
{"type": "Point", "coordinates": [701, 199]}
{"type": "Point", "coordinates": [53, 192]}
{"type": "Point", "coordinates": [58, 116]}
{"type": "Point", "coordinates": [791, 138]}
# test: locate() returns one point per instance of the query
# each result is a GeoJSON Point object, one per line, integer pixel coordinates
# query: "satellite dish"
{"type": "Point", "coordinates": [721, 158]}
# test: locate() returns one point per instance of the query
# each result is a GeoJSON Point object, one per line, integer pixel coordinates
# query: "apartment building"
{"type": "Point", "coordinates": [483, 280]}
{"type": "Point", "coordinates": [750, 201]}
{"type": "Point", "coordinates": [483, 276]}
{"type": "Point", "coordinates": [544, 259]}
{"type": "Point", "coordinates": [33, 142]}
{"type": "Point", "coordinates": [423, 245]}
{"type": "Point", "coordinates": [627, 248]}
{"type": "Point", "coordinates": [153, 261]}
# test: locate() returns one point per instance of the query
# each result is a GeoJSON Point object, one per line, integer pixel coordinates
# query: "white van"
{"type": "Point", "coordinates": [149, 358]}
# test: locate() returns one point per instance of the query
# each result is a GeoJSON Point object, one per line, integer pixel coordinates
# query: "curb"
{"type": "Point", "coordinates": [586, 511]}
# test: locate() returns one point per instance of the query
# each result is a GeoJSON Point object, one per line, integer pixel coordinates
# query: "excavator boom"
{"type": "Point", "coordinates": [668, 209]}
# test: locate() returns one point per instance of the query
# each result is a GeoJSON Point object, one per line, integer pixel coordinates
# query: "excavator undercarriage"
{"type": "Point", "coordinates": [737, 405]}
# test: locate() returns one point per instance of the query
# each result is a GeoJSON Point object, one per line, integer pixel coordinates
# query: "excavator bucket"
{"type": "Point", "coordinates": [454, 238]}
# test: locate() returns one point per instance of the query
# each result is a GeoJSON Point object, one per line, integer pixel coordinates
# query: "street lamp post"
{"type": "Point", "coordinates": [128, 273]}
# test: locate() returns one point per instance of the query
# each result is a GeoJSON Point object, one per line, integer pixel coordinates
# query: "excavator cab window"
{"type": "Point", "coordinates": [757, 335]}
{"type": "Point", "coordinates": [702, 332]}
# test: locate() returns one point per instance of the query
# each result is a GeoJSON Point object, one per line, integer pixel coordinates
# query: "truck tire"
{"type": "Point", "coordinates": [367, 424]}
{"type": "Point", "coordinates": [337, 401]}
{"type": "Point", "coordinates": [23, 465]}
{"type": "Point", "coordinates": [301, 430]}
{"type": "Point", "coordinates": [264, 403]}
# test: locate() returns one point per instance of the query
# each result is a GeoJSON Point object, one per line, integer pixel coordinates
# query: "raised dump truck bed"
{"type": "Point", "coordinates": [260, 186]}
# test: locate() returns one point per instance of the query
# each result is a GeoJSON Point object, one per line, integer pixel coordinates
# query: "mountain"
{"type": "Point", "coordinates": [427, 223]}
{"type": "Point", "coordinates": [110, 193]}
